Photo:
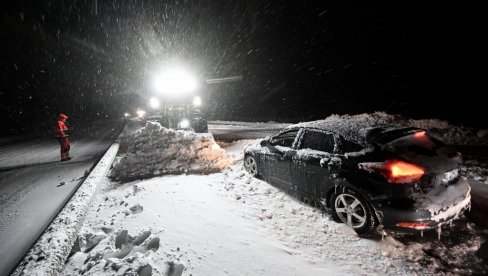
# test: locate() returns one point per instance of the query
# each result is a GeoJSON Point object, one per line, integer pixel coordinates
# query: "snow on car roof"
{"type": "Point", "coordinates": [359, 131]}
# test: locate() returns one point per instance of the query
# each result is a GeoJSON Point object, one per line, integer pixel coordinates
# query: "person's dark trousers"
{"type": "Point", "coordinates": [65, 146]}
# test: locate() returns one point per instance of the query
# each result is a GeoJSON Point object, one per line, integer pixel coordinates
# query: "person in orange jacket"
{"type": "Point", "coordinates": [63, 137]}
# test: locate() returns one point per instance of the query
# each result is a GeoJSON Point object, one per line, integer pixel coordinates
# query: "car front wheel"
{"type": "Point", "coordinates": [352, 209]}
{"type": "Point", "coordinates": [251, 165]}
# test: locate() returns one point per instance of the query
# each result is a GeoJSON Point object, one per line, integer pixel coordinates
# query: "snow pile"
{"type": "Point", "coordinates": [476, 170]}
{"type": "Point", "coordinates": [155, 150]}
{"type": "Point", "coordinates": [450, 134]}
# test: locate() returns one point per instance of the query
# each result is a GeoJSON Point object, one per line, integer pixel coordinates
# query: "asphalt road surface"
{"type": "Point", "coordinates": [35, 185]}
{"type": "Point", "coordinates": [231, 131]}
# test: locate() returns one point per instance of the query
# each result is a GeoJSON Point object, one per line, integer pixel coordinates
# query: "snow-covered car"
{"type": "Point", "coordinates": [367, 175]}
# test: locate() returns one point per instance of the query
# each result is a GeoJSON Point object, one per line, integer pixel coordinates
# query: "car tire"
{"type": "Point", "coordinates": [251, 165]}
{"type": "Point", "coordinates": [350, 208]}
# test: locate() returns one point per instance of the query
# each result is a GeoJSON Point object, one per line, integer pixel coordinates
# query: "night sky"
{"type": "Point", "coordinates": [299, 60]}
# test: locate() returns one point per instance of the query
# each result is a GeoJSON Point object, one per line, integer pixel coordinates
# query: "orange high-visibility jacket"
{"type": "Point", "coordinates": [61, 127]}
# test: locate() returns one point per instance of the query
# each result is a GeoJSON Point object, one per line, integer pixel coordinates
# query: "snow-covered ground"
{"type": "Point", "coordinates": [228, 223]}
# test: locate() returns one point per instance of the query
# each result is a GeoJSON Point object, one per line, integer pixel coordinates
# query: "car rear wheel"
{"type": "Point", "coordinates": [251, 165]}
{"type": "Point", "coordinates": [353, 210]}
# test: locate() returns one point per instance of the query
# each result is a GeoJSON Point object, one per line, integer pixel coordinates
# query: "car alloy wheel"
{"type": "Point", "coordinates": [250, 165]}
{"type": "Point", "coordinates": [353, 210]}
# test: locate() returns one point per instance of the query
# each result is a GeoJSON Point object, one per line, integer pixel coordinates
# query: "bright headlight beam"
{"type": "Point", "coordinates": [174, 81]}
{"type": "Point", "coordinates": [184, 123]}
{"type": "Point", "coordinates": [154, 102]}
{"type": "Point", "coordinates": [197, 101]}
{"type": "Point", "coordinates": [141, 113]}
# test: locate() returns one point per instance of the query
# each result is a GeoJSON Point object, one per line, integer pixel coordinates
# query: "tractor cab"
{"type": "Point", "coordinates": [175, 103]}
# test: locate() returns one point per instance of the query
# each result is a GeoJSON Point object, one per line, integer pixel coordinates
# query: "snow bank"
{"type": "Point", "coordinates": [476, 170]}
{"type": "Point", "coordinates": [155, 150]}
{"type": "Point", "coordinates": [48, 255]}
{"type": "Point", "coordinates": [450, 134]}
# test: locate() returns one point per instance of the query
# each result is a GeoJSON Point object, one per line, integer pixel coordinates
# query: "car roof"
{"type": "Point", "coordinates": [359, 131]}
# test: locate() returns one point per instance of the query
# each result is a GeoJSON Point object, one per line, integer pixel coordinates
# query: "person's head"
{"type": "Point", "coordinates": [62, 117]}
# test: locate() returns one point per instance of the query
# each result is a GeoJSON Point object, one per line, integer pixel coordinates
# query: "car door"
{"type": "Point", "coordinates": [310, 179]}
{"type": "Point", "coordinates": [278, 164]}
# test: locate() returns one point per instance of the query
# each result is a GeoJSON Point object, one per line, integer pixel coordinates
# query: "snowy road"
{"type": "Point", "coordinates": [34, 185]}
{"type": "Point", "coordinates": [231, 131]}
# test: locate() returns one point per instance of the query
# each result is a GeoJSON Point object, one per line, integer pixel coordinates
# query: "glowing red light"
{"type": "Point", "coordinates": [401, 172]}
{"type": "Point", "coordinates": [414, 225]}
{"type": "Point", "coordinates": [419, 134]}
{"type": "Point", "coordinates": [399, 168]}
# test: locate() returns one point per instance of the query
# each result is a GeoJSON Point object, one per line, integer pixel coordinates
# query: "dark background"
{"type": "Point", "coordinates": [299, 60]}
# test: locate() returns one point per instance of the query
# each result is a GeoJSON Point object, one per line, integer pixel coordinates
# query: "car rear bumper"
{"type": "Point", "coordinates": [431, 210]}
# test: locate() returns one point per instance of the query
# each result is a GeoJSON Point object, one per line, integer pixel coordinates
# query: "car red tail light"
{"type": "Point", "coordinates": [401, 172]}
{"type": "Point", "coordinates": [395, 171]}
{"type": "Point", "coordinates": [414, 225]}
{"type": "Point", "coordinates": [420, 134]}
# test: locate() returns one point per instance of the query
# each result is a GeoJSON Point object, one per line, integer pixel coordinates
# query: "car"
{"type": "Point", "coordinates": [365, 174]}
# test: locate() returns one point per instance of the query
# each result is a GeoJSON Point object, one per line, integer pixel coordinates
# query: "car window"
{"type": "Point", "coordinates": [319, 141]}
{"type": "Point", "coordinates": [285, 139]}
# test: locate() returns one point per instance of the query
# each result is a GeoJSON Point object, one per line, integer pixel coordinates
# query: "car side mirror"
{"type": "Point", "coordinates": [264, 143]}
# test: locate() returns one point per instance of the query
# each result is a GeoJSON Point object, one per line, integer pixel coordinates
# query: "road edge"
{"type": "Point", "coordinates": [48, 255]}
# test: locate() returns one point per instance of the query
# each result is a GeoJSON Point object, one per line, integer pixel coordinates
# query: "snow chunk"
{"type": "Point", "coordinates": [155, 150]}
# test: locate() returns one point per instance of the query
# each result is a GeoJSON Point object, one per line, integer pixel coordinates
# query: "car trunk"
{"type": "Point", "coordinates": [440, 162]}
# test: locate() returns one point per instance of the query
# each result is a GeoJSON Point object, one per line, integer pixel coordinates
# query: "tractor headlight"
{"type": "Point", "coordinates": [174, 82]}
{"type": "Point", "coordinates": [141, 113]}
{"type": "Point", "coordinates": [197, 102]}
{"type": "Point", "coordinates": [184, 123]}
{"type": "Point", "coordinates": [154, 103]}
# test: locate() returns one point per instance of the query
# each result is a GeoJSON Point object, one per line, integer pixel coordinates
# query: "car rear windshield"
{"type": "Point", "coordinates": [384, 135]}
{"type": "Point", "coordinates": [420, 143]}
